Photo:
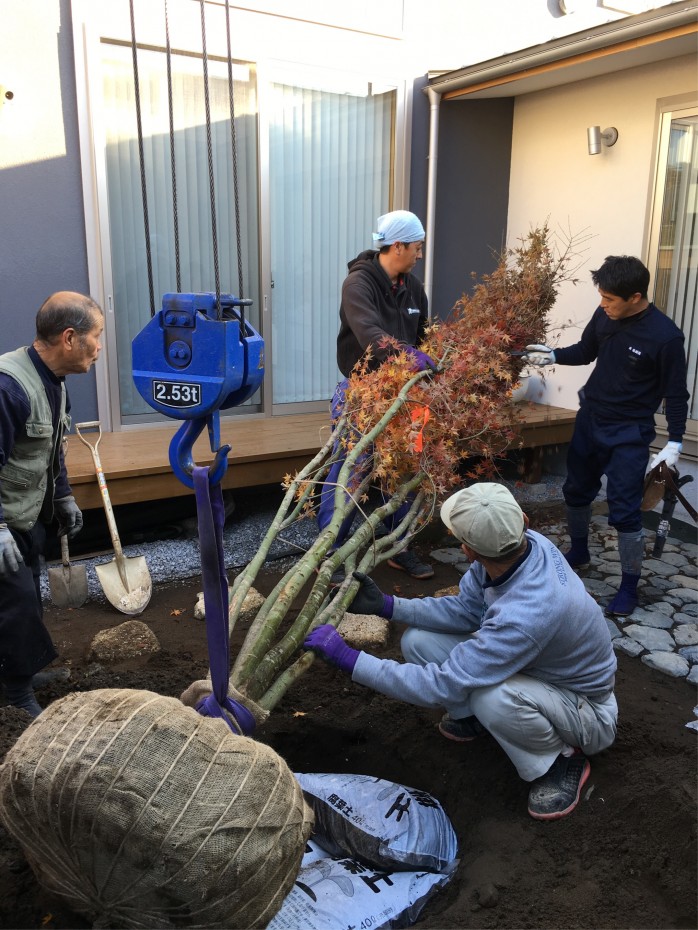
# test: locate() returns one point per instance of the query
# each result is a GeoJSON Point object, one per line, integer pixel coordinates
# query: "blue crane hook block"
{"type": "Point", "coordinates": [187, 363]}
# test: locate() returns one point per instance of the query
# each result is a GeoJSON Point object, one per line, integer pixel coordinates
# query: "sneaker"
{"type": "Point", "coordinates": [556, 793]}
{"type": "Point", "coordinates": [462, 730]}
{"type": "Point", "coordinates": [407, 561]}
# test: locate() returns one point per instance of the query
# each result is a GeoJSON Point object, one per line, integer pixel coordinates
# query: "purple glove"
{"type": "Point", "coordinates": [326, 642]}
{"type": "Point", "coordinates": [422, 361]}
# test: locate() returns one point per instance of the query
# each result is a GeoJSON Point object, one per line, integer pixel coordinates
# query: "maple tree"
{"type": "Point", "coordinates": [413, 434]}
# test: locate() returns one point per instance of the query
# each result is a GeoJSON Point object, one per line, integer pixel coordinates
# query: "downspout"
{"type": "Point", "coordinates": [432, 158]}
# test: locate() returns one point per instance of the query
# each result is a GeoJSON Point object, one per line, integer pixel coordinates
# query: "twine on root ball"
{"type": "Point", "coordinates": [136, 811]}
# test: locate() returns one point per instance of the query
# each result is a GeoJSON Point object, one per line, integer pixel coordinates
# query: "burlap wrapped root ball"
{"type": "Point", "coordinates": [138, 812]}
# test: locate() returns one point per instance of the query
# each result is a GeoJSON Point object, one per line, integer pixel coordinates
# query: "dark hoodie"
{"type": "Point", "coordinates": [373, 308]}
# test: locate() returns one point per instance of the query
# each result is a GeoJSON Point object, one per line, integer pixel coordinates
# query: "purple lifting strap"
{"type": "Point", "coordinates": [211, 514]}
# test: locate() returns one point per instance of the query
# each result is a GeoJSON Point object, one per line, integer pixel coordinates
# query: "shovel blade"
{"type": "Point", "coordinates": [68, 585]}
{"type": "Point", "coordinates": [133, 596]}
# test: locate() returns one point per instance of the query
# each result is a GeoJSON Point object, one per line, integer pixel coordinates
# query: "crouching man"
{"type": "Point", "coordinates": [522, 651]}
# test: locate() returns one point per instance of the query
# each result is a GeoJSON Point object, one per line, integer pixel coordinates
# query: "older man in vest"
{"type": "Point", "coordinates": [34, 488]}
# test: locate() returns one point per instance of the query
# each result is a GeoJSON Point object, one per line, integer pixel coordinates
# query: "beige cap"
{"type": "Point", "coordinates": [486, 518]}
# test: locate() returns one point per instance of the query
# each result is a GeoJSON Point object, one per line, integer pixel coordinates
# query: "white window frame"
{"type": "Point", "coordinates": [668, 109]}
{"type": "Point", "coordinates": [94, 23]}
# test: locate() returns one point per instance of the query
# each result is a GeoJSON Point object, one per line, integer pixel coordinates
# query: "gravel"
{"type": "Point", "coordinates": [172, 560]}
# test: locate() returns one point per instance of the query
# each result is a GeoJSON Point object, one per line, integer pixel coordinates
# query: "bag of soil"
{"type": "Point", "coordinates": [386, 825]}
{"type": "Point", "coordinates": [138, 812]}
{"type": "Point", "coordinates": [333, 894]}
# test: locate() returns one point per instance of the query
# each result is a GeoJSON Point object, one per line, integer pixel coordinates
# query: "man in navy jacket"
{"type": "Point", "coordinates": [640, 361]}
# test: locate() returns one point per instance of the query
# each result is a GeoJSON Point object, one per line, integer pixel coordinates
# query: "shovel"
{"type": "Point", "coordinates": [68, 585]}
{"type": "Point", "coordinates": [125, 581]}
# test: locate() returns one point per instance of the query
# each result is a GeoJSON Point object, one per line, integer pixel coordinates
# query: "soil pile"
{"type": "Point", "coordinates": [625, 858]}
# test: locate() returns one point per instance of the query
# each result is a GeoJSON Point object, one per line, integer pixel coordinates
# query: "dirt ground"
{"type": "Point", "coordinates": [626, 858]}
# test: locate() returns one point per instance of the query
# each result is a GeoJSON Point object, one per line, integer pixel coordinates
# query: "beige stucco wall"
{"type": "Point", "coordinates": [604, 197]}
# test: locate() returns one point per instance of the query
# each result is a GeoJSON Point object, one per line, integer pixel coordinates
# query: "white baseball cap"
{"type": "Point", "coordinates": [486, 518]}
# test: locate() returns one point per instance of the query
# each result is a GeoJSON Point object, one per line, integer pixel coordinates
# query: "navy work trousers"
{"type": "Point", "coordinates": [617, 449]}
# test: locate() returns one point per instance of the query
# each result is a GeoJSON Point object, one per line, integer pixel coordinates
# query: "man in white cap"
{"type": "Point", "coordinates": [522, 651]}
{"type": "Point", "coordinates": [381, 297]}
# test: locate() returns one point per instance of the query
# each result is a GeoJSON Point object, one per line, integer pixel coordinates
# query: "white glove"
{"type": "Point", "coordinates": [539, 355]}
{"type": "Point", "coordinates": [10, 556]}
{"type": "Point", "coordinates": [669, 454]}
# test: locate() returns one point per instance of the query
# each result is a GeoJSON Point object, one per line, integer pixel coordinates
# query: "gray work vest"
{"type": "Point", "coordinates": [34, 464]}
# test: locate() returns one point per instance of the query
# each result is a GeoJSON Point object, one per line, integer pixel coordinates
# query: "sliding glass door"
{"type": "Point", "coordinates": [128, 254]}
{"type": "Point", "coordinates": [315, 166]}
{"type": "Point", "coordinates": [330, 176]}
{"type": "Point", "coordinates": [674, 237]}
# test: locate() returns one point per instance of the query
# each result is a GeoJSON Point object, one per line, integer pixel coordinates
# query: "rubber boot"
{"type": "Point", "coordinates": [578, 519]}
{"type": "Point", "coordinates": [19, 693]}
{"type": "Point", "coordinates": [631, 548]}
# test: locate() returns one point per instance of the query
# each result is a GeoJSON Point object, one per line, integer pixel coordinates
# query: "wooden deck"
{"type": "Point", "coordinates": [137, 468]}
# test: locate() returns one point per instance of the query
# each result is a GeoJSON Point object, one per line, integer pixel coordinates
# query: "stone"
{"type": "Point", "coordinates": [659, 567]}
{"type": "Point", "coordinates": [653, 640]}
{"type": "Point", "coordinates": [665, 608]}
{"type": "Point", "coordinates": [612, 628]}
{"type": "Point", "coordinates": [689, 652]}
{"type": "Point", "coordinates": [673, 558]}
{"type": "Point", "coordinates": [451, 556]}
{"type": "Point", "coordinates": [683, 617]}
{"type": "Point", "coordinates": [667, 662]}
{"type": "Point", "coordinates": [690, 609]}
{"type": "Point", "coordinates": [488, 895]}
{"type": "Point", "coordinates": [126, 641]}
{"type": "Point", "coordinates": [628, 646]}
{"type": "Point", "coordinates": [686, 634]}
{"type": "Point", "coordinates": [692, 677]}
{"type": "Point", "coordinates": [363, 631]}
{"type": "Point", "coordinates": [685, 595]}
{"type": "Point", "coordinates": [654, 618]}
{"type": "Point", "coordinates": [609, 568]}
{"type": "Point", "coordinates": [654, 597]}
{"type": "Point", "coordinates": [253, 601]}
{"type": "Point", "coordinates": [683, 581]}
{"type": "Point", "coordinates": [662, 584]}
{"type": "Point", "coordinates": [598, 588]}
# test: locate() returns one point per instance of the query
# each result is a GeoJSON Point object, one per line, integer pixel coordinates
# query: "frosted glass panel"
{"type": "Point", "coordinates": [128, 253]}
{"type": "Point", "coordinates": [330, 172]}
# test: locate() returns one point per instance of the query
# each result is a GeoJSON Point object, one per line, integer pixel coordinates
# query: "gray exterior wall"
{"type": "Point", "coordinates": [42, 233]}
{"type": "Point", "coordinates": [472, 195]}
{"type": "Point", "coordinates": [472, 191]}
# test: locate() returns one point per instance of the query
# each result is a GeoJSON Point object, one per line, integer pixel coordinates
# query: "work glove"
{"type": "Point", "coordinates": [370, 599]}
{"type": "Point", "coordinates": [669, 454]}
{"type": "Point", "coordinates": [10, 556]}
{"type": "Point", "coordinates": [69, 516]}
{"type": "Point", "coordinates": [326, 642]}
{"type": "Point", "coordinates": [539, 355]}
{"type": "Point", "coordinates": [421, 361]}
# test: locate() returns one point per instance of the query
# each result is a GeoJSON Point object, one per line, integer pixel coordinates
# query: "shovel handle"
{"type": "Point", "coordinates": [65, 554]}
{"type": "Point", "coordinates": [106, 500]}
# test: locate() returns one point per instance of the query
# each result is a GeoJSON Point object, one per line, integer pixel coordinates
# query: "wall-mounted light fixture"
{"type": "Point", "coordinates": [596, 138]}
{"type": "Point", "coordinates": [5, 95]}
